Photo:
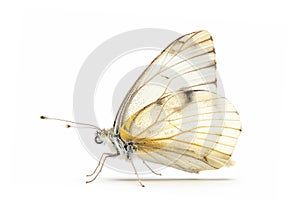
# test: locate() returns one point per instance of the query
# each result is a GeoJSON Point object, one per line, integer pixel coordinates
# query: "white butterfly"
{"type": "Point", "coordinates": [173, 115]}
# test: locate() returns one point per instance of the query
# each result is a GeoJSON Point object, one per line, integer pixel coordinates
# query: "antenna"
{"type": "Point", "coordinates": [69, 126]}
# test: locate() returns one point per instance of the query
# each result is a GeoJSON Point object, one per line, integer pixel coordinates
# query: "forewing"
{"type": "Point", "coordinates": [191, 130]}
{"type": "Point", "coordinates": [188, 63]}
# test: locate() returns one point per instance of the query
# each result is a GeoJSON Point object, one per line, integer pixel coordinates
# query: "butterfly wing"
{"type": "Point", "coordinates": [173, 114]}
{"type": "Point", "coordinates": [188, 63]}
{"type": "Point", "coordinates": [191, 130]}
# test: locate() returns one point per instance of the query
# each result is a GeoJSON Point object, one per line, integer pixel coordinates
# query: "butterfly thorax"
{"type": "Point", "coordinates": [123, 148]}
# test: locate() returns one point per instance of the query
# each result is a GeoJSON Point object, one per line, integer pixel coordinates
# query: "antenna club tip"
{"type": "Point", "coordinates": [42, 117]}
{"type": "Point", "coordinates": [68, 126]}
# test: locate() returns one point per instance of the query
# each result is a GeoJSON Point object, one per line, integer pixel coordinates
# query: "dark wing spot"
{"type": "Point", "coordinates": [166, 77]}
{"type": "Point", "coordinates": [189, 95]}
{"type": "Point", "coordinates": [158, 102]}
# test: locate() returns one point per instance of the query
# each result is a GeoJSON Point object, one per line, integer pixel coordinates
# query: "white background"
{"type": "Point", "coordinates": [45, 45]}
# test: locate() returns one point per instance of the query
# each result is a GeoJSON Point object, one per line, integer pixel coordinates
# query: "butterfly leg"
{"type": "Point", "coordinates": [139, 180]}
{"type": "Point", "coordinates": [107, 155]}
{"type": "Point", "coordinates": [99, 163]}
{"type": "Point", "coordinates": [159, 174]}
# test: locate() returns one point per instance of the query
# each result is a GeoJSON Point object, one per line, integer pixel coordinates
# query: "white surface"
{"type": "Point", "coordinates": [48, 161]}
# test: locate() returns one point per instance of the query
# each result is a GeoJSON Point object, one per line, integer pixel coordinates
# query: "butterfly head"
{"type": "Point", "coordinates": [102, 134]}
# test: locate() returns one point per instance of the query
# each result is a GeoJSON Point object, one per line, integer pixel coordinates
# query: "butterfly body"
{"type": "Point", "coordinates": [124, 149]}
{"type": "Point", "coordinates": [173, 114]}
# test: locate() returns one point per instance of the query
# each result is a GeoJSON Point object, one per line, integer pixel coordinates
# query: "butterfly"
{"type": "Point", "coordinates": [173, 115]}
